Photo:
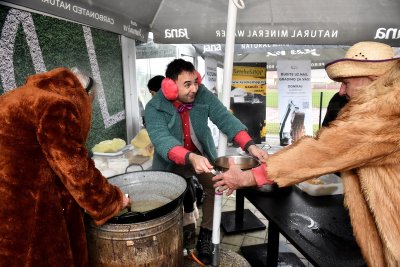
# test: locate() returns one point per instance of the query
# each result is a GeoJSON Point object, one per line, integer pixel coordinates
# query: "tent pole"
{"type": "Point", "coordinates": [226, 90]}
{"type": "Point", "coordinates": [228, 65]}
{"type": "Point", "coordinates": [132, 112]}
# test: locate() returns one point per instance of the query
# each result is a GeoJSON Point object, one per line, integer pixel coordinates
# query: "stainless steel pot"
{"type": "Point", "coordinates": [156, 193]}
{"type": "Point", "coordinates": [244, 162]}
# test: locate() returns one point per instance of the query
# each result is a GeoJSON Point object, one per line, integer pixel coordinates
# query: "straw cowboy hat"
{"type": "Point", "coordinates": [361, 60]}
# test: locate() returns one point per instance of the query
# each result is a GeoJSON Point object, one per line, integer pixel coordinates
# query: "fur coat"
{"type": "Point", "coordinates": [363, 143]}
{"type": "Point", "coordinates": [47, 179]}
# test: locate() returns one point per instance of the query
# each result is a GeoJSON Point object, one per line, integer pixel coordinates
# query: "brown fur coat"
{"type": "Point", "coordinates": [46, 176]}
{"type": "Point", "coordinates": [364, 145]}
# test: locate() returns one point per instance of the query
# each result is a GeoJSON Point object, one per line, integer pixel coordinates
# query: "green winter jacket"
{"type": "Point", "coordinates": [164, 125]}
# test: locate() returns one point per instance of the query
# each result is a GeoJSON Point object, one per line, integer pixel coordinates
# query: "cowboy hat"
{"type": "Point", "coordinates": [361, 60]}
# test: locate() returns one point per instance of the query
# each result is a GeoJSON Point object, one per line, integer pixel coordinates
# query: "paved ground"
{"type": "Point", "coordinates": [234, 242]}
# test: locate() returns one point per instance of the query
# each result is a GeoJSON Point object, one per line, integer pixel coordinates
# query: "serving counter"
{"type": "Point", "coordinates": [318, 227]}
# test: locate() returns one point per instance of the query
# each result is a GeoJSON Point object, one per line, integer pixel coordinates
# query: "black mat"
{"type": "Point", "coordinates": [249, 223]}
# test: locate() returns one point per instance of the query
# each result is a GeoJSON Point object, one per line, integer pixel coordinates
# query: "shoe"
{"type": "Point", "coordinates": [204, 246]}
{"type": "Point", "coordinates": [189, 236]}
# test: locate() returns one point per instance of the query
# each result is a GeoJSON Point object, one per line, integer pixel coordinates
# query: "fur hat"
{"type": "Point", "coordinates": [361, 60]}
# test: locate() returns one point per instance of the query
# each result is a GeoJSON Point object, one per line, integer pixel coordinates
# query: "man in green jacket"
{"type": "Point", "coordinates": [177, 122]}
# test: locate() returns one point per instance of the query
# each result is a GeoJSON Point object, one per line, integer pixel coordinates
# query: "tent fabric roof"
{"type": "Point", "coordinates": [334, 22]}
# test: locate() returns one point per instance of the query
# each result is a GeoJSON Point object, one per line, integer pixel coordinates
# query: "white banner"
{"type": "Point", "coordinates": [294, 99]}
{"type": "Point", "coordinates": [210, 75]}
{"type": "Point", "coordinates": [210, 81]}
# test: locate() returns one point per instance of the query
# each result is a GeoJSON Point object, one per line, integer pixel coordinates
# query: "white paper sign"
{"type": "Point", "coordinates": [294, 99]}
{"type": "Point", "coordinates": [210, 76]}
{"type": "Point", "coordinates": [210, 81]}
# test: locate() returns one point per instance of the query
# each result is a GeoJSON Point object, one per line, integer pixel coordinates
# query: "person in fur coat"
{"type": "Point", "coordinates": [47, 179]}
{"type": "Point", "coordinates": [363, 143]}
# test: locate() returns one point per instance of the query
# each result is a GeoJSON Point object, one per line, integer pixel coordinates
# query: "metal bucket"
{"type": "Point", "coordinates": [149, 238]}
{"type": "Point", "coordinates": [154, 243]}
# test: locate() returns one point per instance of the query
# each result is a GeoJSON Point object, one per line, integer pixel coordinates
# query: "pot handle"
{"type": "Point", "coordinates": [130, 214]}
{"type": "Point", "coordinates": [133, 164]}
{"type": "Point", "coordinates": [215, 172]}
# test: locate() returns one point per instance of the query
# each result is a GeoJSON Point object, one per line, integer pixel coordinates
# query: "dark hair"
{"type": "Point", "coordinates": [176, 67]}
{"type": "Point", "coordinates": [154, 83]}
{"type": "Point", "coordinates": [89, 86]}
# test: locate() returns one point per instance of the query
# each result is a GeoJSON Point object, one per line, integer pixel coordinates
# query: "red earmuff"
{"type": "Point", "coordinates": [198, 77]}
{"type": "Point", "coordinates": [170, 89]}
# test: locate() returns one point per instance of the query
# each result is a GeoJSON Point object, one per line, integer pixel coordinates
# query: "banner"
{"type": "Point", "coordinates": [210, 75]}
{"type": "Point", "coordinates": [210, 81]}
{"type": "Point", "coordinates": [152, 50]}
{"type": "Point", "coordinates": [87, 13]}
{"type": "Point", "coordinates": [28, 46]}
{"type": "Point", "coordinates": [319, 55]}
{"type": "Point", "coordinates": [338, 22]}
{"type": "Point", "coordinates": [248, 97]}
{"type": "Point", "coordinates": [294, 100]}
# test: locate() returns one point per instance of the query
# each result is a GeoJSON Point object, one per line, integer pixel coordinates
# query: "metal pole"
{"type": "Point", "coordinates": [133, 118]}
{"type": "Point", "coordinates": [228, 65]}
{"type": "Point", "coordinates": [216, 228]}
{"type": "Point", "coordinates": [222, 143]}
{"type": "Point", "coordinates": [320, 108]}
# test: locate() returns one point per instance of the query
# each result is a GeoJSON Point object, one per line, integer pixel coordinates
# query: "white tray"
{"type": "Point", "coordinates": [332, 186]}
{"type": "Point", "coordinates": [114, 154]}
{"type": "Point", "coordinates": [269, 149]}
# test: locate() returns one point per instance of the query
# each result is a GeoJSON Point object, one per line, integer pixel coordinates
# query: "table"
{"type": "Point", "coordinates": [318, 227]}
{"type": "Point", "coordinates": [241, 219]}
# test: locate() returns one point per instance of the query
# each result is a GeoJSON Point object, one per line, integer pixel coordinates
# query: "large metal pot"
{"type": "Point", "coordinates": [152, 237]}
{"type": "Point", "coordinates": [153, 243]}
{"type": "Point", "coordinates": [153, 193]}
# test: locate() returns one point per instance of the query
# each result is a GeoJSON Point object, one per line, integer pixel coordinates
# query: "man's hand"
{"type": "Point", "coordinates": [233, 179]}
{"type": "Point", "coordinates": [257, 152]}
{"type": "Point", "coordinates": [200, 164]}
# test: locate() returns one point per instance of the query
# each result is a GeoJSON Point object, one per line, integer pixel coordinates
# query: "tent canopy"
{"type": "Point", "coordinates": [335, 22]}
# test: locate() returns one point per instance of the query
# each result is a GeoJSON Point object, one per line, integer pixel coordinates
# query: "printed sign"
{"type": "Point", "coordinates": [210, 76]}
{"type": "Point", "coordinates": [282, 34]}
{"type": "Point", "coordinates": [248, 97]}
{"type": "Point", "coordinates": [210, 81]}
{"type": "Point", "coordinates": [248, 84]}
{"type": "Point", "coordinates": [294, 100]}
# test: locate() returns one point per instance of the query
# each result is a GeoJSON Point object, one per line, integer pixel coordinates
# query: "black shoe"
{"type": "Point", "coordinates": [189, 236]}
{"type": "Point", "coordinates": [204, 246]}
